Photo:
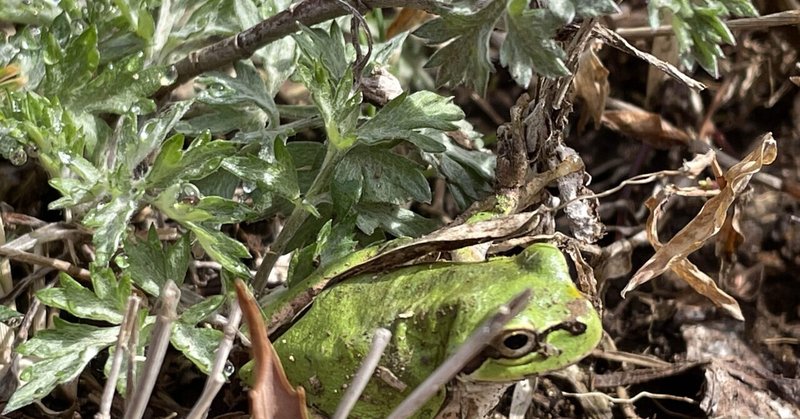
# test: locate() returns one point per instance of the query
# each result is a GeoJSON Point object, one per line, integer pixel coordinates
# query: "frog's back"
{"type": "Point", "coordinates": [430, 309]}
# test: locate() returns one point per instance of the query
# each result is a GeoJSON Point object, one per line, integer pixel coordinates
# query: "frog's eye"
{"type": "Point", "coordinates": [516, 343]}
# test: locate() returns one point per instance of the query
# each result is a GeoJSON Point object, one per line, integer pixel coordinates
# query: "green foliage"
{"type": "Point", "coordinates": [528, 44]}
{"type": "Point", "coordinates": [698, 26]}
{"type": "Point", "coordinates": [63, 352]}
{"type": "Point", "coordinates": [83, 107]}
{"type": "Point", "coordinates": [151, 263]}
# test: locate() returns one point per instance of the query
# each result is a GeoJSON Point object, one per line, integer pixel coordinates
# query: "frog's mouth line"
{"type": "Point", "coordinates": [517, 343]}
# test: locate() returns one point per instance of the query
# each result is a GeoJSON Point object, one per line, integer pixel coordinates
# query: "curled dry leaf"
{"type": "Point", "coordinates": [408, 18]}
{"type": "Point", "coordinates": [705, 225]}
{"type": "Point", "coordinates": [591, 85]}
{"type": "Point", "coordinates": [648, 127]}
{"type": "Point", "coordinates": [272, 396]}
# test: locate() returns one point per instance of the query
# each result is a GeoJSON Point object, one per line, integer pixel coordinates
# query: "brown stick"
{"type": "Point", "coordinates": [789, 17]}
{"type": "Point", "coordinates": [245, 43]}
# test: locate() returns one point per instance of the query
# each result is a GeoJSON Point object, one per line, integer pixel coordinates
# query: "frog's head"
{"type": "Point", "coordinates": [558, 328]}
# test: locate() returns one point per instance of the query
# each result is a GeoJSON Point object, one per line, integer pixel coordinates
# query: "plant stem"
{"type": "Point", "coordinates": [296, 219]}
{"type": "Point", "coordinates": [245, 43]}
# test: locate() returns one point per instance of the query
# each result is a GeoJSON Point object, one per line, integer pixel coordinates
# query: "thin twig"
{"type": "Point", "coordinates": [159, 342]}
{"type": "Point", "coordinates": [789, 17]}
{"type": "Point", "coordinates": [380, 340]}
{"type": "Point", "coordinates": [466, 352]}
{"type": "Point", "coordinates": [128, 324]}
{"type": "Point", "coordinates": [61, 265]}
{"type": "Point", "coordinates": [615, 40]}
{"type": "Point", "coordinates": [216, 377]}
{"type": "Point", "coordinates": [247, 42]}
{"type": "Point", "coordinates": [633, 399]}
{"type": "Point", "coordinates": [130, 378]}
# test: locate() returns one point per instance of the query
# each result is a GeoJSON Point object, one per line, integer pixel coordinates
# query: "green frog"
{"type": "Point", "coordinates": [431, 309]}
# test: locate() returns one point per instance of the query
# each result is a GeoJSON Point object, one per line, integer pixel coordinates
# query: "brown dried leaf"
{"type": "Point", "coordinates": [705, 225]}
{"type": "Point", "coordinates": [647, 127]}
{"type": "Point", "coordinates": [591, 85]}
{"type": "Point", "coordinates": [408, 18]}
{"type": "Point", "coordinates": [272, 396]}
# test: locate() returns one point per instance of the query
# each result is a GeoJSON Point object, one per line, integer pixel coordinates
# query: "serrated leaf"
{"type": "Point", "coordinates": [76, 66]}
{"type": "Point", "coordinates": [121, 87]}
{"type": "Point", "coordinates": [274, 173]}
{"type": "Point", "coordinates": [110, 222]}
{"type": "Point", "coordinates": [200, 311]}
{"type": "Point", "coordinates": [335, 242]}
{"type": "Point", "coordinates": [64, 352]}
{"type": "Point", "coordinates": [528, 46]}
{"type": "Point", "coordinates": [150, 263]}
{"type": "Point", "coordinates": [197, 344]}
{"type": "Point", "coordinates": [174, 164]}
{"type": "Point", "coordinates": [399, 119]}
{"type": "Point", "coordinates": [325, 47]}
{"type": "Point", "coordinates": [374, 175]}
{"type": "Point", "coordinates": [395, 220]}
{"type": "Point", "coordinates": [153, 133]}
{"type": "Point", "coordinates": [7, 314]}
{"type": "Point", "coordinates": [29, 12]}
{"type": "Point", "coordinates": [211, 19]}
{"type": "Point", "coordinates": [699, 28]}
{"type": "Point", "coordinates": [465, 60]}
{"type": "Point", "coordinates": [222, 249]}
{"type": "Point", "coordinates": [223, 119]}
{"type": "Point", "coordinates": [80, 301]}
{"type": "Point", "coordinates": [246, 87]}
{"type": "Point", "coordinates": [323, 68]}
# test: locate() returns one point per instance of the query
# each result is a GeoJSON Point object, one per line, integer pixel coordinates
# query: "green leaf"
{"type": "Point", "coordinates": [699, 28]}
{"type": "Point", "coordinates": [63, 352]}
{"type": "Point", "coordinates": [153, 132]}
{"type": "Point", "coordinates": [223, 119]}
{"type": "Point", "coordinates": [335, 242]}
{"type": "Point", "coordinates": [29, 12]}
{"type": "Point", "coordinates": [121, 87]}
{"type": "Point", "coordinates": [7, 314]}
{"type": "Point", "coordinates": [274, 171]}
{"type": "Point", "coordinates": [214, 19]}
{"type": "Point", "coordinates": [110, 222]}
{"type": "Point", "coordinates": [151, 264]}
{"type": "Point", "coordinates": [324, 70]}
{"type": "Point", "coordinates": [80, 301]}
{"type": "Point", "coordinates": [373, 175]}
{"type": "Point", "coordinates": [173, 164]}
{"type": "Point", "coordinates": [75, 68]}
{"type": "Point", "coordinates": [326, 48]}
{"type": "Point", "coordinates": [469, 173]}
{"type": "Point", "coordinates": [197, 344]}
{"type": "Point", "coordinates": [307, 157]}
{"type": "Point", "coordinates": [278, 57]}
{"type": "Point", "coordinates": [399, 119]}
{"type": "Point", "coordinates": [200, 311]}
{"type": "Point", "coordinates": [246, 87]}
{"type": "Point", "coordinates": [465, 60]}
{"type": "Point", "coordinates": [528, 46]}
{"type": "Point", "coordinates": [222, 249]}
{"type": "Point", "coordinates": [395, 220]}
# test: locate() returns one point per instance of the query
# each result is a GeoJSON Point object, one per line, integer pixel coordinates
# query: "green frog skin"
{"type": "Point", "coordinates": [431, 309]}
